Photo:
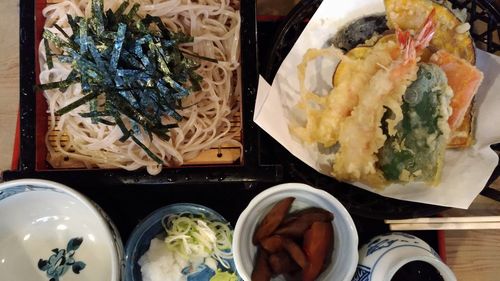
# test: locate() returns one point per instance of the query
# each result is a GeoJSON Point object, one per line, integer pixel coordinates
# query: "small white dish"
{"type": "Point", "coordinates": [49, 231]}
{"type": "Point", "coordinates": [384, 255]}
{"type": "Point", "coordinates": [345, 252]}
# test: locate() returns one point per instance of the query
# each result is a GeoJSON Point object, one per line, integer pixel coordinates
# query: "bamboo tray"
{"type": "Point", "coordinates": [223, 154]}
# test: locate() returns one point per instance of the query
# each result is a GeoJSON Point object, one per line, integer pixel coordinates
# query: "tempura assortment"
{"type": "Point", "coordinates": [399, 99]}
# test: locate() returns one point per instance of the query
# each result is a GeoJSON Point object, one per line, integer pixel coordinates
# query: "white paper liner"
{"type": "Point", "coordinates": [465, 172]}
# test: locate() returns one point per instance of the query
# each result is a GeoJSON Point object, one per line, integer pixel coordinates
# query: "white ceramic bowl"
{"type": "Point", "coordinates": [385, 254]}
{"type": "Point", "coordinates": [48, 230]}
{"type": "Point", "coordinates": [345, 252]}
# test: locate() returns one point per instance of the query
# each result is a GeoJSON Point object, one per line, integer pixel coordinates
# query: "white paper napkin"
{"type": "Point", "coordinates": [465, 171]}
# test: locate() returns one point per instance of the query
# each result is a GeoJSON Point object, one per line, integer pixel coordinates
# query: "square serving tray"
{"type": "Point", "coordinates": [129, 196]}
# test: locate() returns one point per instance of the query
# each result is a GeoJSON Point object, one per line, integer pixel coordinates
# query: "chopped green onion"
{"type": "Point", "coordinates": [196, 236]}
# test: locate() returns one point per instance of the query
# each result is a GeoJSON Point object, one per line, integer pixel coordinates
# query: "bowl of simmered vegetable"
{"type": "Point", "coordinates": [294, 231]}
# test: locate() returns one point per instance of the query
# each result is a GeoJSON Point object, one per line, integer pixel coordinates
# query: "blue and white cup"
{"type": "Point", "coordinates": [384, 255]}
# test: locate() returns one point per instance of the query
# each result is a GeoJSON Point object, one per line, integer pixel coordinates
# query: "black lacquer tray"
{"type": "Point", "coordinates": [129, 196]}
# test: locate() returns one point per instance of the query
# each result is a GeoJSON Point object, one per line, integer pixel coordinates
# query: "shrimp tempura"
{"type": "Point", "coordinates": [360, 135]}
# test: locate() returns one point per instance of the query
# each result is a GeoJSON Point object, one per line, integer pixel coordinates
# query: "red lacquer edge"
{"type": "Point", "coordinates": [14, 164]}
{"type": "Point", "coordinates": [41, 103]}
{"type": "Point", "coordinates": [441, 244]}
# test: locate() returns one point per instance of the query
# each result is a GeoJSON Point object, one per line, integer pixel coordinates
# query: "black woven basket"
{"type": "Point", "coordinates": [484, 19]}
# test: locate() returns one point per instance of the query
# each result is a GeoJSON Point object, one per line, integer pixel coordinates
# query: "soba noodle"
{"type": "Point", "coordinates": [215, 26]}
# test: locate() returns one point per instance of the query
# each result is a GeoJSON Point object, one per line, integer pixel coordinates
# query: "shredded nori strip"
{"type": "Point", "coordinates": [106, 122]}
{"type": "Point", "coordinates": [146, 149]}
{"type": "Point", "coordinates": [95, 114]}
{"type": "Point", "coordinates": [77, 103]}
{"type": "Point", "coordinates": [60, 43]}
{"type": "Point", "coordinates": [133, 64]}
{"type": "Point", "coordinates": [48, 54]}
{"type": "Point", "coordinates": [61, 30]}
{"type": "Point", "coordinates": [198, 56]}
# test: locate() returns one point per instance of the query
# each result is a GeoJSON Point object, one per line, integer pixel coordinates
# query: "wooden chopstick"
{"type": "Point", "coordinates": [444, 226]}
{"type": "Point", "coordinates": [446, 223]}
{"type": "Point", "coordinates": [477, 219]}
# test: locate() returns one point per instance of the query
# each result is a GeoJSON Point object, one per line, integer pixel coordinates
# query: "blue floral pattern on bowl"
{"type": "Point", "coordinates": [379, 244]}
{"type": "Point", "coordinates": [362, 273]}
{"type": "Point", "coordinates": [204, 273]}
{"type": "Point", "coordinates": [11, 191]}
{"type": "Point", "coordinates": [61, 260]}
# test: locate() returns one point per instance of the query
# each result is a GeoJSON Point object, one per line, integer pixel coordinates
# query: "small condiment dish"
{"type": "Point", "coordinates": [153, 227]}
{"type": "Point", "coordinates": [344, 257]}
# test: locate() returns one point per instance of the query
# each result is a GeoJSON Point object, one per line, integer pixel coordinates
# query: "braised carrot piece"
{"type": "Point", "coordinates": [272, 219]}
{"type": "Point", "coordinates": [281, 262]}
{"type": "Point", "coordinates": [272, 244]}
{"type": "Point", "coordinates": [296, 226]}
{"type": "Point", "coordinates": [261, 271]}
{"type": "Point", "coordinates": [318, 242]}
{"type": "Point", "coordinates": [295, 252]}
{"type": "Point", "coordinates": [304, 212]}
